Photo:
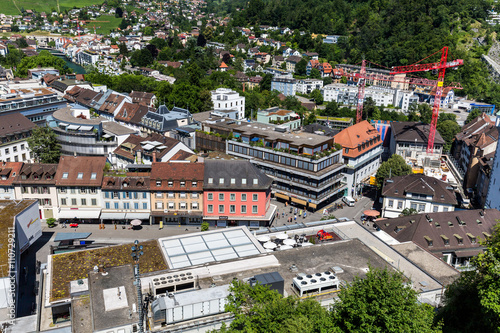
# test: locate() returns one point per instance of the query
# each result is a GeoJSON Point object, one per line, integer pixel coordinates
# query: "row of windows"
{"type": "Point", "coordinates": [125, 205]}
{"type": "Point", "coordinates": [232, 209]}
{"type": "Point", "coordinates": [414, 205]}
{"type": "Point", "coordinates": [172, 195]}
{"type": "Point", "coordinates": [125, 195]}
{"type": "Point", "coordinates": [81, 190]}
{"type": "Point", "coordinates": [182, 183]}
{"type": "Point", "coordinates": [14, 149]}
{"type": "Point", "coordinates": [173, 205]}
{"type": "Point", "coordinates": [16, 158]}
{"type": "Point", "coordinates": [232, 197]}
{"type": "Point", "coordinates": [35, 190]}
{"type": "Point", "coordinates": [74, 202]}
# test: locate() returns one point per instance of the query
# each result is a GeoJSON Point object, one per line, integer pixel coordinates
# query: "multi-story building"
{"type": "Point", "coordinates": [78, 182]}
{"type": "Point", "coordinates": [87, 57]}
{"type": "Point", "coordinates": [8, 174]}
{"type": "Point", "coordinates": [236, 193]}
{"type": "Point", "coordinates": [308, 85]}
{"type": "Point", "coordinates": [30, 99]}
{"type": "Point", "coordinates": [306, 168]}
{"type": "Point", "coordinates": [422, 193]}
{"type": "Point", "coordinates": [14, 132]}
{"type": "Point", "coordinates": [227, 99]}
{"type": "Point", "coordinates": [362, 148]}
{"type": "Point", "coordinates": [291, 62]}
{"type": "Point", "coordinates": [177, 192]}
{"type": "Point", "coordinates": [287, 119]}
{"type": "Point", "coordinates": [284, 84]}
{"type": "Point", "coordinates": [125, 199]}
{"type": "Point", "coordinates": [37, 181]}
{"type": "Point", "coordinates": [409, 140]}
{"type": "Point", "coordinates": [164, 120]}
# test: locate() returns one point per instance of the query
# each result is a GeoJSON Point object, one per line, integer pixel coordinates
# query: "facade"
{"type": "Point", "coordinates": [409, 140]}
{"type": "Point", "coordinates": [125, 199]}
{"type": "Point", "coordinates": [36, 181]}
{"type": "Point", "coordinates": [453, 236]}
{"type": "Point", "coordinates": [87, 57]}
{"type": "Point", "coordinates": [286, 119]}
{"type": "Point", "coordinates": [14, 131]}
{"type": "Point", "coordinates": [362, 150]}
{"type": "Point", "coordinates": [284, 84]}
{"type": "Point", "coordinates": [308, 85]}
{"type": "Point", "coordinates": [177, 193]}
{"type": "Point", "coordinates": [164, 120]}
{"type": "Point", "coordinates": [306, 168]}
{"type": "Point", "coordinates": [236, 193]}
{"type": "Point", "coordinates": [78, 182]}
{"type": "Point", "coordinates": [8, 174]}
{"type": "Point", "coordinates": [422, 193]}
{"type": "Point", "coordinates": [143, 98]}
{"type": "Point", "coordinates": [227, 99]}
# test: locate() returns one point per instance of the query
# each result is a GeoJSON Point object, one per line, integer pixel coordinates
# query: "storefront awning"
{"type": "Point", "coordinates": [299, 201]}
{"type": "Point", "coordinates": [112, 216]}
{"type": "Point", "coordinates": [139, 216]}
{"type": "Point", "coordinates": [79, 214]}
{"type": "Point", "coordinates": [86, 128]}
{"type": "Point", "coordinates": [73, 127]}
{"type": "Point", "coordinates": [281, 196]}
{"type": "Point", "coordinates": [312, 205]}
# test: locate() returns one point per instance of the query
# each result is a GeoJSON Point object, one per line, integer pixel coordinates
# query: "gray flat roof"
{"type": "Point", "coordinates": [65, 115]}
{"type": "Point", "coordinates": [62, 236]}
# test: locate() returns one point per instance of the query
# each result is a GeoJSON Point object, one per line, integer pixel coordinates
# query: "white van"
{"type": "Point", "coordinates": [349, 201]}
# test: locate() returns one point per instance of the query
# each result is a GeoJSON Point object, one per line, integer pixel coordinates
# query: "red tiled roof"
{"type": "Point", "coordinates": [358, 138]}
{"type": "Point", "coordinates": [9, 171]}
{"type": "Point", "coordinates": [70, 167]}
{"type": "Point", "coordinates": [176, 171]}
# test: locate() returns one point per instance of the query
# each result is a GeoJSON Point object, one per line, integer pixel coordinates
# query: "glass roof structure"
{"type": "Point", "coordinates": [207, 247]}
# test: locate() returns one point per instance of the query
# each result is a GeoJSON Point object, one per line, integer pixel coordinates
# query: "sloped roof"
{"type": "Point", "coordinates": [411, 131]}
{"type": "Point", "coordinates": [122, 183]}
{"type": "Point", "coordinates": [176, 171]}
{"type": "Point", "coordinates": [237, 170]}
{"type": "Point", "coordinates": [14, 123]}
{"type": "Point", "coordinates": [9, 170]}
{"type": "Point", "coordinates": [41, 170]}
{"type": "Point", "coordinates": [70, 167]}
{"type": "Point", "coordinates": [358, 139]}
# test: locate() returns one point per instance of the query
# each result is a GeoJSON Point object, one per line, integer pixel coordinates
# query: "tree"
{"type": "Point", "coordinates": [51, 44]}
{"type": "Point", "coordinates": [310, 119]}
{"type": "Point", "coordinates": [22, 43]}
{"type": "Point", "coordinates": [394, 166]}
{"type": "Point", "coordinates": [408, 212]}
{"type": "Point", "coordinates": [300, 67]}
{"type": "Point", "coordinates": [123, 49]}
{"type": "Point", "coordinates": [425, 113]}
{"type": "Point", "coordinates": [317, 96]}
{"type": "Point", "coordinates": [201, 41]}
{"type": "Point", "coordinates": [473, 114]}
{"type": "Point", "coordinates": [44, 146]}
{"type": "Point", "coordinates": [205, 226]}
{"type": "Point", "coordinates": [327, 80]}
{"type": "Point", "coordinates": [315, 74]}
{"type": "Point", "coordinates": [448, 129]}
{"type": "Point", "coordinates": [148, 31]}
{"type": "Point", "coordinates": [265, 83]}
{"type": "Point", "coordinates": [382, 302]}
{"type": "Point", "coordinates": [475, 293]}
{"type": "Point", "coordinates": [123, 24]}
{"type": "Point", "coordinates": [118, 12]}
{"type": "Point", "coordinates": [141, 58]}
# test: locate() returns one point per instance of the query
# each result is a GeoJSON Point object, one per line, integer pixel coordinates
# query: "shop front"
{"type": "Point", "coordinates": [79, 215]}
{"type": "Point", "coordinates": [177, 218]}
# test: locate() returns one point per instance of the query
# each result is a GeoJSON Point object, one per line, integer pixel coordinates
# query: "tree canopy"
{"type": "Point", "coordinates": [44, 146]}
{"type": "Point", "coordinates": [394, 166]}
{"type": "Point", "coordinates": [43, 59]}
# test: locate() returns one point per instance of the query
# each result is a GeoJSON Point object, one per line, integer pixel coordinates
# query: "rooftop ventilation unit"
{"type": "Point", "coordinates": [317, 282]}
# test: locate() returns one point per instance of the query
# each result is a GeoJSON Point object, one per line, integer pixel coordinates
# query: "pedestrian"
{"type": "Point", "coordinates": [295, 218]}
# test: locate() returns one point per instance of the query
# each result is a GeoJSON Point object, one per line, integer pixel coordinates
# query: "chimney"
{"type": "Point", "coordinates": [154, 156]}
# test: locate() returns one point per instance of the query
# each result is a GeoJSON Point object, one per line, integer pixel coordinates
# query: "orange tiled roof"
{"type": "Point", "coordinates": [358, 139]}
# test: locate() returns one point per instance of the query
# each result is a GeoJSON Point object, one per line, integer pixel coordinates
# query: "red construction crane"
{"type": "Point", "coordinates": [361, 92]}
{"type": "Point", "coordinates": [441, 67]}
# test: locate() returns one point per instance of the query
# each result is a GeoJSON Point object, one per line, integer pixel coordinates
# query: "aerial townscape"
{"type": "Point", "coordinates": [249, 166]}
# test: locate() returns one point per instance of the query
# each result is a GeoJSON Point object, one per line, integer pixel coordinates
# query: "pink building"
{"type": "Point", "coordinates": [236, 193]}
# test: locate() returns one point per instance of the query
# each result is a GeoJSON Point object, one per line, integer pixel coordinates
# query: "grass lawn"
{"type": "Point", "coordinates": [103, 24]}
{"type": "Point", "coordinates": [67, 267]}
{"type": "Point", "coordinates": [43, 5]}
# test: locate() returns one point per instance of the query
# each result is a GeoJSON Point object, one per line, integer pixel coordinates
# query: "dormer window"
{"type": "Point", "coordinates": [446, 240]}
{"type": "Point", "coordinates": [125, 184]}
{"type": "Point", "coordinates": [183, 184]}
{"type": "Point", "coordinates": [65, 175]}
{"type": "Point", "coordinates": [472, 238]}
{"type": "Point", "coordinates": [233, 181]}
{"type": "Point", "coordinates": [23, 176]}
{"type": "Point", "coordinates": [170, 183]}
{"type": "Point", "coordinates": [35, 177]}
{"type": "Point", "coordinates": [93, 175]}
{"type": "Point", "coordinates": [158, 183]}
{"type": "Point", "coordinates": [210, 180]}
{"type": "Point", "coordinates": [459, 238]}
{"type": "Point", "coordinates": [255, 181]}
{"type": "Point", "coordinates": [221, 181]}
{"type": "Point", "coordinates": [80, 175]}
{"type": "Point", "coordinates": [194, 184]}
{"type": "Point", "coordinates": [48, 177]}
{"type": "Point", "coordinates": [429, 240]}
{"type": "Point", "coordinates": [243, 181]}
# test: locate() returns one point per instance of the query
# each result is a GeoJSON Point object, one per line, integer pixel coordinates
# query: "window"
{"type": "Point", "coordinates": [171, 195]}
{"type": "Point", "coordinates": [63, 202]}
{"type": "Point", "coordinates": [194, 184]}
{"type": "Point", "coordinates": [159, 195]}
{"type": "Point", "coordinates": [210, 196]}
{"type": "Point", "coordinates": [65, 175]}
{"type": "Point", "coordinates": [435, 209]}
{"type": "Point", "coordinates": [391, 203]}
{"type": "Point", "coordinates": [22, 147]}
{"type": "Point", "coordinates": [6, 151]}
{"type": "Point", "coordinates": [421, 207]}
{"type": "Point", "coordinates": [73, 202]}
{"type": "Point", "coordinates": [232, 197]}
{"type": "Point", "coordinates": [413, 206]}
{"type": "Point", "coordinates": [182, 195]}
{"type": "Point", "coordinates": [400, 204]}
{"type": "Point", "coordinates": [144, 195]}
{"type": "Point", "coordinates": [194, 195]}
{"type": "Point", "coordinates": [107, 205]}
{"type": "Point", "coordinates": [243, 197]}
{"type": "Point", "coordinates": [243, 181]}
{"type": "Point", "coordinates": [194, 205]}
{"type": "Point", "coordinates": [106, 195]}
{"type": "Point", "coordinates": [221, 181]}
{"type": "Point", "coordinates": [233, 181]}
{"type": "Point", "coordinates": [243, 209]}
{"type": "Point", "coordinates": [80, 175]}
{"type": "Point", "coordinates": [144, 205]}
{"type": "Point", "coordinates": [221, 208]}
{"type": "Point", "coordinates": [94, 202]}
{"type": "Point", "coordinates": [170, 183]}
{"type": "Point", "coordinates": [210, 180]}
{"type": "Point", "coordinates": [182, 205]}
{"type": "Point", "coordinates": [255, 197]}
{"type": "Point", "coordinates": [158, 183]}
{"type": "Point", "coordinates": [210, 208]}
{"type": "Point", "coordinates": [93, 175]}
{"type": "Point", "coordinates": [221, 196]}
{"type": "Point", "coordinates": [255, 181]}
{"type": "Point", "coordinates": [183, 184]}
{"type": "Point", "coordinates": [159, 205]}
{"type": "Point", "coordinates": [171, 205]}
{"type": "Point", "coordinates": [232, 209]}
{"type": "Point", "coordinates": [126, 205]}
{"type": "Point", "coordinates": [116, 205]}
{"type": "Point", "coordinates": [255, 209]}
{"type": "Point", "coordinates": [445, 209]}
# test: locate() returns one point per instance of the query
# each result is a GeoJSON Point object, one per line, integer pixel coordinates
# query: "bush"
{"type": "Point", "coordinates": [51, 222]}
{"type": "Point", "coordinates": [205, 226]}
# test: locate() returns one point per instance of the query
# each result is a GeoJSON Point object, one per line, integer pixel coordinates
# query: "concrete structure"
{"type": "Point", "coordinates": [164, 120]}
{"type": "Point", "coordinates": [227, 99]}
{"type": "Point", "coordinates": [14, 131]}
{"type": "Point", "coordinates": [286, 119]}
{"type": "Point", "coordinates": [362, 148]}
{"type": "Point", "coordinates": [284, 84]}
{"type": "Point", "coordinates": [308, 85]}
{"type": "Point", "coordinates": [421, 193]}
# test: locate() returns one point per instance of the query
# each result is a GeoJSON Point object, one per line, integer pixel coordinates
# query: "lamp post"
{"type": "Point", "coordinates": [136, 254]}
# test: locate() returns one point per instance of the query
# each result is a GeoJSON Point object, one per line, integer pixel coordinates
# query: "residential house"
{"type": "Point", "coordinates": [286, 119]}
{"type": "Point", "coordinates": [143, 98]}
{"type": "Point", "coordinates": [362, 150]}
{"type": "Point", "coordinates": [409, 140]}
{"type": "Point", "coordinates": [130, 115]}
{"type": "Point", "coordinates": [237, 193]}
{"type": "Point", "coordinates": [8, 174]}
{"type": "Point", "coordinates": [164, 120]}
{"type": "Point", "coordinates": [419, 192]}
{"type": "Point", "coordinates": [14, 131]}
{"type": "Point", "coordinates": [306, 86]}
{"type": "Point", "coordinates": [286, 85]}
{"type": "Point", "coordinates": [227, 99]}
{"type": "Point", "coordinates": [453, 236]}
{"type": "Point", "coordinates": [291, 62]}
{"type": "Point", "coordinates": [177, 193]}
{"type": "Point", "coordinates": [36, 181]}
{"type": "Point", "coordinates": [125, 199]}
{"type": "Point", "coordinates": [313, 63]}
{"type": "Point", "coordinates": [78, 182]}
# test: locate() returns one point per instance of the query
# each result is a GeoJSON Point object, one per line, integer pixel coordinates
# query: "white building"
{"type": "Point", "coordinates": [308, 85]}
{"type": "Point", "coordinates": [493, 195]}
{"type": "Point", "coordinates": [227, 99]}
{"type": "Point", "coordinates": [14, 132]}
{"type": "Point", "coordinates": [419, 192]}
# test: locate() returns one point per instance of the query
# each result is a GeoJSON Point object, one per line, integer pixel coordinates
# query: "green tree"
{"type": "Point", "coordinates": [123, 49]}
{"type": "Point", "coordinates": [472, 115]}
{"type": "Point", "coordinates": [148, 31]}
{"type": "Point", "coordinates": [310, 119]}
{"type": "Point", "coordinates": [315, 74]}
{"type": "Point", "coordinates": [44, 146]}
{"type": "Point", "coordinates": [448, 129]}
{"type": "Point", "coordinates": [265, 83]}
{"type": "Point", "coordinates": [394, 166]}
{"type": "Point", "coordinates": [205, 226]}
{"type": "Point", "coordinates": [408, 212]}
{"type": "Point", "coordinates": [317, 96]}
{"type": "Point", "coordinates": [425, 113]}
{"type": "Point", "coordinates": [382, 302]}
{"type": "Point", "coordinates": [327, 80]}
{"type": "Point", "coordinates": [51, 43]}
{"type": "Point", "coordinates": [300, 67]}
{"type": "Point", "coordinates": [475, 293]}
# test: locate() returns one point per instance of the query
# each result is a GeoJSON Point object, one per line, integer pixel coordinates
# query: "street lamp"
{"type": "Point", "coordinates": [136, 254]}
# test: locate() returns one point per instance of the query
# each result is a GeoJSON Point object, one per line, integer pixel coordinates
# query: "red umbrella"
{"type": "Point", "coordinates": [371, 212]}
